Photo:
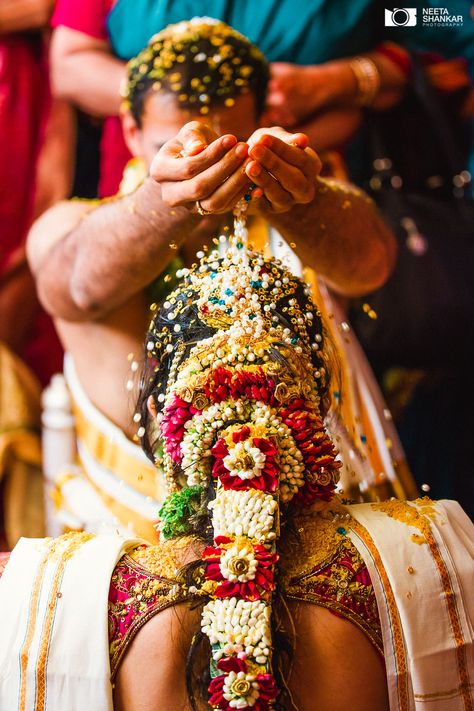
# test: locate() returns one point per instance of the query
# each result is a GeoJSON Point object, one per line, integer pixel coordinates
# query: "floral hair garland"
{"type": "Point", "coordinates": [223, 64]}
{"type": "Point", "coordinates": [241, 415]}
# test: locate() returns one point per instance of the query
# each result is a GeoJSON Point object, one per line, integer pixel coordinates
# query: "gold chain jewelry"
{"type": "Point", "coordinates": [201, 210]}
{"type": "Point", "coordinates": [368, 79]}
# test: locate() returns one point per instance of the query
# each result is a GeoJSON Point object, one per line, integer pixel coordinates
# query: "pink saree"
{"type": "Point", "coordinates": [24, 101]}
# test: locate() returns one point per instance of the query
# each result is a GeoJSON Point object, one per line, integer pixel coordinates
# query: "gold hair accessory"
{"type": "Point", "coordinates": [241, 411]}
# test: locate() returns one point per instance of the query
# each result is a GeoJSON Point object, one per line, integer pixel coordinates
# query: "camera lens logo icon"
{"type": "Point", "coordinates": [400, 17]}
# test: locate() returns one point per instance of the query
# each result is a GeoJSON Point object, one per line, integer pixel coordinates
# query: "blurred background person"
{"type": "Point", "coordinates": [34, 174]}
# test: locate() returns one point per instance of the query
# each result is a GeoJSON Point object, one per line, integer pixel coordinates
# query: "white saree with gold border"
{"type": "Point", "coordinates": [54, 648]}
{"type": "Point", "coordinates": [420, 559]}
{"type": "Point", "coordinates": [113, 486]}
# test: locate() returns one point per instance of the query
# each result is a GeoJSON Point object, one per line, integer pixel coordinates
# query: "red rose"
{"type": "Point", "coordinates": [175, 416]}
{"type": "Point", "coordinates": [260, 586]}
{"type": "Point", "coordinates": [308, 431]}
{"type": "Point", "coordinates": [267, 688]}
{"type": "Point", "coordinates": [266, 481]}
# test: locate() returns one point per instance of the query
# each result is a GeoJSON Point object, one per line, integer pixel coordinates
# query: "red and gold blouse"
{"type": "Point", "coordinates": [320, 566]}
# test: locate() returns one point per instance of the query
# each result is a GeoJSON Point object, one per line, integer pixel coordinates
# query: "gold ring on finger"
{"type": "Point", "coordinates": [201, 210]}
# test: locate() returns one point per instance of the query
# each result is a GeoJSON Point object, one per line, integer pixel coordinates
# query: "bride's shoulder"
{"type": "Point", "coordinates": [310, 540]}
{"type": "Point", "coordinates": [146, 581]}
{"type": "Point", "coordinates": [166, 558]}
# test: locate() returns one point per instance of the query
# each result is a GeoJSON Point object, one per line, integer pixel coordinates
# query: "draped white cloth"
{"type": "Point", "coordinates": [79, 494]}
{"type": "Point", "coordinates": [54, 650]}
{"type": "Point", "coordinates": [420, 558]}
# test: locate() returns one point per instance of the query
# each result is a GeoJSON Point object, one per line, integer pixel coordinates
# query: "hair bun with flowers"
{"type": "Point", "coordinates": [239, 381]}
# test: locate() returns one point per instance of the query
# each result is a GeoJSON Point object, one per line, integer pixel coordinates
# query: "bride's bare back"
{"type": "Point", "coordinates": [335, 666]}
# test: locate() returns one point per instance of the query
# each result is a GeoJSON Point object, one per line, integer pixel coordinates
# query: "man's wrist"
{"type": "Point", "coordinates": [342, 82]}
{"type": "Point", "coordinates": [152, 205]}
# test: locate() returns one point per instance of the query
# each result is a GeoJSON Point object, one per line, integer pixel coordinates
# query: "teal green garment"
{"type": "Point", "coordinates": [305, 32]}
{"type": "Point", "coordinates": [299, 31]}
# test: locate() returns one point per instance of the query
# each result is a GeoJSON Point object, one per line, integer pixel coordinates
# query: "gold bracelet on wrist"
{"type": "Point", "coordinates": [368, 80]}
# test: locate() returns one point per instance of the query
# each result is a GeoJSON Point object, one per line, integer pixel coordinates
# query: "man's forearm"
{"type": "Point", "coordinates": [341, 235]}
{"type": "Point", "coordinates": [116, 250]}
{"type": "Point", "coordinates": [21, 15]}
{"type": "Point", "coordinates": [85, 72]}
{"type": "Point", "coordinates": [90, 80]}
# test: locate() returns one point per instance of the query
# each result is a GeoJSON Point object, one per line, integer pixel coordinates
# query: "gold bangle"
{"type": "Point", "coordinates": [368, 80]}
{"type": "Point", "coordinates": [201, 210]}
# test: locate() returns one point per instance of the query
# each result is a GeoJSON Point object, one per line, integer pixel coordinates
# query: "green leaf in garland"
{"type": "Point", "coordinates": [177, 509]}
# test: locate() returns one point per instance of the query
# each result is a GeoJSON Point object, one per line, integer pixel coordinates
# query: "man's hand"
{"type": "Point", "coordinates": [284, 167]}
{"type": "Point", "coordinates": [197, 165]}
{"type": "Point", "coordinates": [296, 92]}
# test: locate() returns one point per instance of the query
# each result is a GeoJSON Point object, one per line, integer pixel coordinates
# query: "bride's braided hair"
{"type": "Point", "coordinates": [236, 371]}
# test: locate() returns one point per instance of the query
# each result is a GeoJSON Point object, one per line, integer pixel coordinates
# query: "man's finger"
{"type": "Point", "coordinates": [207, 181]}
{"type": "Point", "coordinates": [307, 160]}
{"type": "Point", "coordinates": [227, 195]}
{"type": "Point", "coordinates": [291, 179]}
{"type": "Point", "coordinates": [279, 199]}
{"type": "Point", "coordinates": [194, 135]}
{"type": "Point", "coordinates": [171, 165]}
